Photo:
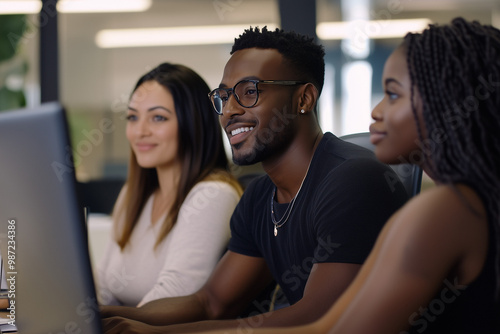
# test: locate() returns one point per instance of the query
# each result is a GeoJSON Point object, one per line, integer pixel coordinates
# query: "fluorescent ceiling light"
{"type": "Point", "coordinates": [102, 6]}
{"type": "Point", "coordinates": [370, 29]}
{"type": "Point", "coordinates": [193, 35]}
{"type": "Point", "coordinates": [20, 7]}
{"type": "Point", "coordinates": [199, 35]}
{"type": "Point", "coordinates": [75, 6]}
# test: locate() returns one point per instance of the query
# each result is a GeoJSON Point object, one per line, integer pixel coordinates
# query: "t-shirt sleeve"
{"type": "Point", "coordinates": [352, 205]}
{"type": "Point", "coordinates": [243, 222]}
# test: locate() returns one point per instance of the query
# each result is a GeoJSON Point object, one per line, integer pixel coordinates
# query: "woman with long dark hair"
{"type": "Point", "coordinates": [171, 219]}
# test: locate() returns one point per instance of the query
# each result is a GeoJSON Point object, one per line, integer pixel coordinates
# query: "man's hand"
{"type": "Point", "coordinates": [236, 281]}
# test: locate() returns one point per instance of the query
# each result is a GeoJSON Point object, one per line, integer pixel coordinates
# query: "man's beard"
{"type": "Point", "coordinates": [264, 147]}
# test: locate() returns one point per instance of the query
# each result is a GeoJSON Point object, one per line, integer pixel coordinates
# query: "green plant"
{"type": "Point", "coordinates": [13, 67]}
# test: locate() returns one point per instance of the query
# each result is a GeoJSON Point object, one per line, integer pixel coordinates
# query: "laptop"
{"type": "Point", "coordinates": [43, 237]}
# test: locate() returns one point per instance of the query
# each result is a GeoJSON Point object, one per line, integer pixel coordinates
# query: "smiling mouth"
{"type": "Point", "coordinates": [144, 147]}
{"type": "Point", "coordinates": [239, 135]}
{"type": "Point", "coordinates": [241, 130]}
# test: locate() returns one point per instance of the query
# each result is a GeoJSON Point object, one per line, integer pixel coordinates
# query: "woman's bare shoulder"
{"type": "Point", "coordinates": [446, 205]}
{"type": "Point", "coordinates": [444, 225]}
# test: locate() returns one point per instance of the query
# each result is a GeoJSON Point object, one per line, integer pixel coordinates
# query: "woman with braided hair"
{"type": "Point", "coordinates": [435, 265]}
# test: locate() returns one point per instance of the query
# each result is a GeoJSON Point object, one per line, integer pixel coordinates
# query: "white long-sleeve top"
{"type": "Point", "coordinates": [182, 262]}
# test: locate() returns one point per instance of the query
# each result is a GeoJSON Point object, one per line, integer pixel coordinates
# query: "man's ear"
{"type": "Point", "coordinates": [308, 98]}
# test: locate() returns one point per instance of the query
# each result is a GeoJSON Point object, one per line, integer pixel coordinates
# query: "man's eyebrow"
{"type": "Point", "coordinates": [222, 85]}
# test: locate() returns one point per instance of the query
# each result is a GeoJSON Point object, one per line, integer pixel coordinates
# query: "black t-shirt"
{"type": "Point", "coordinates": [345, 200]}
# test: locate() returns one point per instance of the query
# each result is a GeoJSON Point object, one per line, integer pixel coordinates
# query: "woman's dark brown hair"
{"type": "Point", "coordinates": [201, 150]}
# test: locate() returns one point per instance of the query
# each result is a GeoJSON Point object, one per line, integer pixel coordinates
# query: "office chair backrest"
{"type": "Point", "coordinates": [410, 175]}
{"type": "Point", "coordinates": [99, 196]}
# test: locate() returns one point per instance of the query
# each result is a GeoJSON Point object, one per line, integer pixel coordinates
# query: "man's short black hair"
{"type": "Point", "coordinates": [304, 55]}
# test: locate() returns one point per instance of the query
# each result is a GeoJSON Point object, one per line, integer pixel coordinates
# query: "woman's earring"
{"type": "Point", "coordinates": [302, 111]}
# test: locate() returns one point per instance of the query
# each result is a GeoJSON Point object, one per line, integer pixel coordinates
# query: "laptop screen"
{"type": "Point", "coordinates": [43, 238]}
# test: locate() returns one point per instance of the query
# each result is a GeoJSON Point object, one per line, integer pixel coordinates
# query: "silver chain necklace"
{"type": "Point", "coordinates": [288, 211]}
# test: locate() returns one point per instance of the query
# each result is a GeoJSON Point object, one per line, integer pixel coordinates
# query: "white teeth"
{"type": "Point", "coordinates": [240, 130]}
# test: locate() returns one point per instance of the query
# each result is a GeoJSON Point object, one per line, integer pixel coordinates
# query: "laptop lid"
{"type": "Point", "coordinates": [43, 236]}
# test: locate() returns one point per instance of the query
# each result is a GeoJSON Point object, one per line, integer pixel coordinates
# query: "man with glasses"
{"type": "Point", "coordinates": [309, 223]}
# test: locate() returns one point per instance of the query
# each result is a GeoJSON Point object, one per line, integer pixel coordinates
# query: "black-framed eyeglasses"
{"type": "Point", "coordinates": [246, 92]}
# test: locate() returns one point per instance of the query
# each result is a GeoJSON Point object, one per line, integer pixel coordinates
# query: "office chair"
{"type": "Point", "coordinates": [410, 175]}
{"type": "Point", "coordinates": [99, 196]}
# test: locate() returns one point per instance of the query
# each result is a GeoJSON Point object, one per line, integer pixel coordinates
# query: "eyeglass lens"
{"type": "Point", "coordinates": [245, 93]}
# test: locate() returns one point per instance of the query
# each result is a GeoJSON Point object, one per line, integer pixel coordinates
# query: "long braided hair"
{"type": "Point", "coordinates": [456, 69]}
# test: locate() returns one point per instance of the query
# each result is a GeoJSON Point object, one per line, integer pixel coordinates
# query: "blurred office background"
{"type": "Point", "coordinates": [97, 70]}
